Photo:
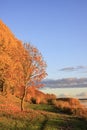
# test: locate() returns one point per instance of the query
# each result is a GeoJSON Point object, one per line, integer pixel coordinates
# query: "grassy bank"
{"type": "Point", "coordinates": [43, 118]}
{"type": "Point", "coordinates": [37, 117]}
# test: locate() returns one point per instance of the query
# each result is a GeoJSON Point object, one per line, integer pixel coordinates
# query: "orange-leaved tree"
{"type": "Point", "coordinates": [21, 65]}
{"type": "Point", "coordinates": [34, 69]}
{"type": "Point", "coordinates": [12, 55]}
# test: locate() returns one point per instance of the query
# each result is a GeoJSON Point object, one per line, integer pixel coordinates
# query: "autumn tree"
{"type": "Point", "coordinates": [11, 53]}
{"type": "Point", "coordinates": [6, 63]}
{"type": "Point", "coordinates": [34, 69]}
{"type": "Point", "coordinates": [21, 65]}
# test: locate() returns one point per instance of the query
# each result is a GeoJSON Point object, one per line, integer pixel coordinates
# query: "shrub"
{"type": "Point", "coordinates": [71, 106]}
{"type": "Point", "coordinates": [49, 98]}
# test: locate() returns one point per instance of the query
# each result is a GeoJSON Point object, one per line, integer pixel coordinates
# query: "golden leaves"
{"type": "Point", "coordinates": [19, 65]}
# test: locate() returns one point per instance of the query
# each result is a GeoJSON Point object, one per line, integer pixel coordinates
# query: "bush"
{"type": "Point", "coordinates": [71, 106]}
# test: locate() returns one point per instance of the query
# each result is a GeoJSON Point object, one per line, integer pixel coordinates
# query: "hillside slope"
{"type": "Point", "coordinates": [45, 117]}
{"type": "Point", "coordinates": [40, 120]}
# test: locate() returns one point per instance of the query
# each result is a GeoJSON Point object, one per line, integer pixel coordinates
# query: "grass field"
{"type": "Point", "coordinates": [40, 117]}
{"type": "Point", "coordinates": [36, 117]}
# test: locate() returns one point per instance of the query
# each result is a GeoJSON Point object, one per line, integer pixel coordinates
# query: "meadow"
{"type": "Point", "coordinates": [37, 117]}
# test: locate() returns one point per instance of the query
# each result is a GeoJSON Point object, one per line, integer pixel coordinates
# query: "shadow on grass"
{"type": "Point", "coordinates": [44, 107]}
{"type": "Point", "coordinates": [57, 124]}
{"type": "Point", "coordinates": [44, 123]}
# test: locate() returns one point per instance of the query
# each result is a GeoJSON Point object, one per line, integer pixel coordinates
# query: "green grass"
{"type": "Point", "coordinates": [44, 107]}
{"type": "Point", "coordinates": [42, 121]}
{"type": "Point", "coordinates": [40, 117]}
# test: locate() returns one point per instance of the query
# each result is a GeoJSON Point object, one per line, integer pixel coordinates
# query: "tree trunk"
{"type": "Point", "coordinates": [22, 104]}
{"type": "Point", "coordinates": [22, 99]}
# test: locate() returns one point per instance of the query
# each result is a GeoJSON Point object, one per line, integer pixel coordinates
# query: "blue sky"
{"type": "Point", "coordinates": [58, 28]}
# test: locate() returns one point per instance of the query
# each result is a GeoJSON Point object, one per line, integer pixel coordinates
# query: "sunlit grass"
{"type": "Point", "coordinates": [40, 120]}
{"type": "Point", "coordinates": [37, 117]}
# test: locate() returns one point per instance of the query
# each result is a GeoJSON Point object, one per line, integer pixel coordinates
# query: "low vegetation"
{"type": "Point", "coordinates": [38, 116]}
{"type": "Point", "coordinates": [40, 120]}
{"type": "Point", "coordinates": [71, 106]}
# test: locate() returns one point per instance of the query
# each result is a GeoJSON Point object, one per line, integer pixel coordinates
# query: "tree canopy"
{"type": "Point", "coordinates": [21, 65]}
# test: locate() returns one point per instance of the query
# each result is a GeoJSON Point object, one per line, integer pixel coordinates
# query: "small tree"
{"type": "Point", "coordinates": [34, 69]}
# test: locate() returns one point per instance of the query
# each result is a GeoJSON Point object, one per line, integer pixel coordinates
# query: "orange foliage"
{"type": "Point", "coordinates": [71, 106]}
{"type": "Point", "coordinates": [34, 93]}
{"type": "Point", "coordinates": [37, 66]}
{"type": "Point", "coordinates": [21, 66]}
